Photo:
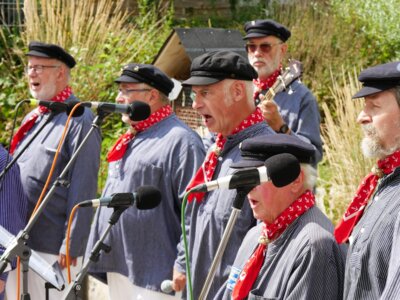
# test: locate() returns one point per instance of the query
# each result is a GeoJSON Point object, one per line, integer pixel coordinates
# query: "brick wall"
{"type": "Point", "coordinates": [183, 109]}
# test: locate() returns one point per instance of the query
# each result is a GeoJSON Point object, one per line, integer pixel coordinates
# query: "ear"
{"type": "Point", "coordinates": [238, 90]}
{"type": "Point", "coordinates": [62, 73]}
{"type": "Point", "coordinates": [298, 184]}
{"type": "Point", "coordinates": [284, 49]}
{"type": "Point", "coordinates": [154, 99]}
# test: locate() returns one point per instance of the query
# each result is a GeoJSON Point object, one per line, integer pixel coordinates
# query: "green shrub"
{"type": "Point", "coordinates": [102, 37]}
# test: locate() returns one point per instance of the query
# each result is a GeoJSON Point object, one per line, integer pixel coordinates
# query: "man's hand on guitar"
{"type": "Point", "coordinates": [179, 281]}
{"type": "Point", "coordinates": [271, 114]}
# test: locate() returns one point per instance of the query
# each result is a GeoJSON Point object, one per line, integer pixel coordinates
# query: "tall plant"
{"type": "Point", "coordinates": [342, 136]}
{"type": "Point", "coordinates": [101, 34]}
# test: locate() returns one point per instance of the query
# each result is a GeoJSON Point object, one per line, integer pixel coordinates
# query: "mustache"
{"type": "Point", "coordinates": [258, 60]}
{"type": "Point", "coordinates": [369, 129]}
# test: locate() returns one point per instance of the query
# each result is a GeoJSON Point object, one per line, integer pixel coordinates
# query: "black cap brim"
{"type": "Point", "coordinates": [247, 163]}
{"type": "Point", "coordinates": [373, 88]}
{"type": "Point", "coordinates": [255, 35]}
{"type": "Point", "coordinates": [197, 80]}
{"type": "Point", "coordinates": [37, 53]}
{"type": "Point", "coordinates": [366, 91]}
{"type": "Point", "coordinates": [128, 79]}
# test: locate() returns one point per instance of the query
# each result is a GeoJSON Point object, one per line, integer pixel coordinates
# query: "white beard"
{"type": "Point", "coordinates": [47, 92]}
{"type": "Point", "coordinates": [371, 145]}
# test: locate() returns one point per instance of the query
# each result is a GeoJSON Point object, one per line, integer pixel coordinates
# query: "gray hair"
{"type": "Point", "coordinates": [310, 176]}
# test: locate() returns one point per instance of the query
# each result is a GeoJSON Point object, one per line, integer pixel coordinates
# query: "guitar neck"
{"type": "Point", "coordinates": [284, 81]}
{"type": "Point", "coordinates": [269, 95]}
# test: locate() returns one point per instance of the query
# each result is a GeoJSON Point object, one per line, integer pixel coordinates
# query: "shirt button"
{"type": "Point", "coordinates": [362, 230]}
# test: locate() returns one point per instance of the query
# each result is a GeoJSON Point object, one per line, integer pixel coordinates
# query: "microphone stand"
{"type": "Point", "coordinates": [236, 209]}
{"type": "Point", "coordinates": [75, 289]}
{"type": "Point", "coordinates": [18, 246]}
{"type": "Point", "coordinates": [35, 134]}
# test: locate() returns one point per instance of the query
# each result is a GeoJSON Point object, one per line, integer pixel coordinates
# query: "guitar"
{"type": "Point", "coordinates": [291, 73]}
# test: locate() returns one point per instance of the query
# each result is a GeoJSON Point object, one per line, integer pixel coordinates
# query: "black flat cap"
{"type": "Point", "coordinates": [215, 66]}
{"type": "Point", "coordinates": [149, 74]}
{"type": "Point", "coordinates": [379, 78]}
{"type": "Point", "coordinates": [51, 51]}
{"type": "Point", "coordinates": [260, 28]}
{"type": "Point", "coordinates": [255, 151]}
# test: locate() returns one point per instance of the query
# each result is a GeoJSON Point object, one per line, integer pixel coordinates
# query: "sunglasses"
{"type": "Point", "coordinates": [264, 48]}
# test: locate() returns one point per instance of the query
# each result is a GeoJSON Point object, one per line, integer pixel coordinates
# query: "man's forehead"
{"type": "Point", "coordinates": [384, 98]}
{"type": "Point", "coordinates": [131, 84]}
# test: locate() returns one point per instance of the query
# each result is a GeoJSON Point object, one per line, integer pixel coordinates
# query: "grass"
{"type": "Point", "coordinates": [344, 165]}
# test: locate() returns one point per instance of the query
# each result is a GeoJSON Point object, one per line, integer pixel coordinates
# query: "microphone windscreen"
{"type": "Point", "coordinates": [78, 111]}
{"type": "Point", "coordinates": [282, 169]}
{"type": "Point", "coordinates": [148, 197]}
{"type": "Point", "coordinates": [166, 286]}
{"type": "Point", "coordinates": [57, 107]}
{"type": "Point", "coordinates": [139, 111]}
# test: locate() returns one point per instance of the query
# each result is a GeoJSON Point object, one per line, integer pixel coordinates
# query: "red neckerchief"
{"type": "Point", "coordinates": [364, 192]}
{"type": "Point", "coordinates": [41, 110]}
{"type": "Point", "coordinates": [207, 169]}
{"type": "Point", "coordinates": [270, 232]}
{"type": "Point", "coordinates": [265, 84]}
{"type": "Point", "coordinates": [118, 150]}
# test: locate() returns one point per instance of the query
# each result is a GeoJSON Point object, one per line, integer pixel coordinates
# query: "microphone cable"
{"type": "Point", "coordinates": [184, 238]}
{"type": "Point", "coordinates": [61, 142]}
{"type": "Point", "coordinates": [44, 190]}
{"type": "Point", "coordinates": [71, 217]}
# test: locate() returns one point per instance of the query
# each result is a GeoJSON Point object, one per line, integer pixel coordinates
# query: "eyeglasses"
{"type": "Point", "coordinates": [127, 92]}
{"type": "Point", "coordinates": [264, 48]}
{"type": "Point", "coordinates": [203, 93]}
{"type": "Point", "coordinates": [38, 68]}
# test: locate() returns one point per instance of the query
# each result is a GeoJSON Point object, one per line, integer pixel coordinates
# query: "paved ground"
{"type": "Point", "coordinates": [96, 289]}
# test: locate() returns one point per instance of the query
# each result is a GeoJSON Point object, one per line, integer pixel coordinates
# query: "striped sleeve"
{"type": "Point", "coordinates": [13, 203]}
{"type": "Point", "coordinates": [392, 287]}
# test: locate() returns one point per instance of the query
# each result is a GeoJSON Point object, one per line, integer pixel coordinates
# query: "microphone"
{"type": "Point", "coordinates": [146, 197]}
{"type": "Point", "coordinates": [78, 111]}
{"type": "Point", "coordinates": [60, 106]}
{"type": "Point", "coordinates": [137, 110]}
{"type": "Point", "coordinates": [166, 286]}
{"type": "Point", "coordinates": [281, 169]}
{"type": "Point", "coordinates": [53, 106]}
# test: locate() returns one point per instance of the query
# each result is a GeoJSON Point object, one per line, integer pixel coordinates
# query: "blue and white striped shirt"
{"type": "Point", "coordinates": [13, 203]}
{"type": "Point", "coordinates": [370, 251]}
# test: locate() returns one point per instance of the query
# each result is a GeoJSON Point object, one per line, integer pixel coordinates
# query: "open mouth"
{"type": "Point", "coordinates": [206, 118]}
{"type": "Point", "coordinates": [35, 85]}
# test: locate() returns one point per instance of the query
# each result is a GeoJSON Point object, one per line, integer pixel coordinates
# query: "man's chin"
{"type": "Point", "coordinates": [34, 94]}
{"type": "Point", "coordinates": [263, 72]}
{"type": "Point", "coordinates": [40, 96]}
{"type": "Point", "coordinates": [373, 149]}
